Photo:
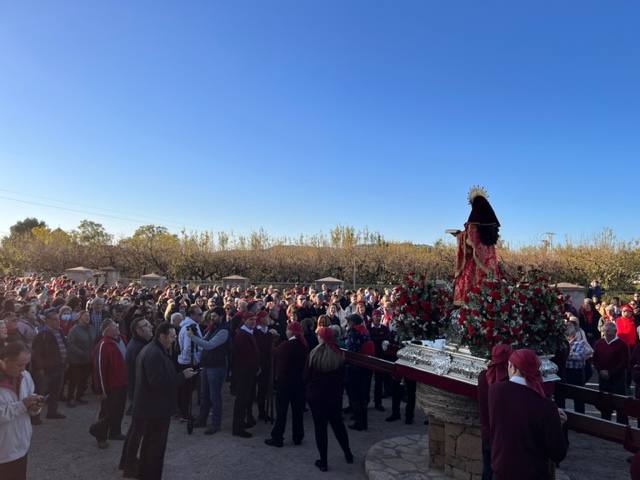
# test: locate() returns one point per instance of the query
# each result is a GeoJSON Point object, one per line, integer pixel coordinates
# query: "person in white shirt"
{"type": "Point", "coordinates": [189, 356]}
{"type": "Point", "coordinates": [17, 403]}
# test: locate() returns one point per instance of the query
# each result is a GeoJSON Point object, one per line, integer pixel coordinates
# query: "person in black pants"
{"type": "Point", "coordinates": [396, 398]}
{"type": "Point", "coordinates": [290, 360]}
{"type": "Point", "coordinates": [379, 334]}
{"type": "Point", "coordinates": [246, 365]}
{"type": "Point", "coordinates": [154, 401]}
{"type": "Point", "coordinates": [324, 395]}
{"type": "Point", "coordinates": [358, 378]}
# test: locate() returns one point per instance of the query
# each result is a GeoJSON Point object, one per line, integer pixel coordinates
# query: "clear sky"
{"type": "Point", "coordinates": [299, 115]}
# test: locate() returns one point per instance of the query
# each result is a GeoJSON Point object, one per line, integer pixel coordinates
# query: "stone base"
{"type": "Point", "coordinates": [405, 458]}
{"type": "Point", "coordinates": [455, 449]}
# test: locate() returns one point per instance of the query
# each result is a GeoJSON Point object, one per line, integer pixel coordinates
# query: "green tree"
{"type": "Point", "coordinates": [26, 226]}
{"type": "Point", "coordinates": [92, 234]}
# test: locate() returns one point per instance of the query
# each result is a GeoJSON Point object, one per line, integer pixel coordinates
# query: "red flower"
{"type": "Point", "coordinates": [495, 294]}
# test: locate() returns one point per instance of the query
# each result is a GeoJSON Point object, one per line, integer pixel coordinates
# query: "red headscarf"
{"type": "Point", "coordinates": [528, 363]}
{"type": "Point", "coordinates": [327, 336]}
{"type": "Point", "coordinates": [296, 329]}
{"type": "Point", "coordinates": [497, 369]}
{"type": "Point", "coordinates": [261, 314]}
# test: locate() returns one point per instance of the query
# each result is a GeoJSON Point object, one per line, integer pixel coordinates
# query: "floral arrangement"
{"type": "Point", "coordinates": [526, 314]}
{"type": "Point", "coordinates": [422, 308]}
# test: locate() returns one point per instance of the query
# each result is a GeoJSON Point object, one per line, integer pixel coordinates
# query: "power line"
{"type": "Point", "coordinates": [73, 204]}
{"type": "Point", "coordinates": [85, 212]}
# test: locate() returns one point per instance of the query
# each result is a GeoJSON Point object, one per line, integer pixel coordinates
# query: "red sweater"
{"type": "Point", "coordinates": [626, 330]}
{"type": "Point", "coordinates": [109, 368]}
{"type": "Point", "coordinates": [613, 356]}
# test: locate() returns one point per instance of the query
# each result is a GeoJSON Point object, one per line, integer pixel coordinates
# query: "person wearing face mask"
{"type": "Point", "coordinates": [80, 343]}
{"type": "Point", "coordinates": [66, 319]}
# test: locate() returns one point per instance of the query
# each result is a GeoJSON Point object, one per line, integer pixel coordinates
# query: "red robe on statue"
{"type": "Point", "coordinates": [474, 262]}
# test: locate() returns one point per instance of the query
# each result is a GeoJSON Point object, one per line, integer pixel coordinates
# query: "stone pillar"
{"type": "Point", "coordinates": [455, 445]}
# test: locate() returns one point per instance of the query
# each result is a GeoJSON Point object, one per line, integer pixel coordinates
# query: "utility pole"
{"type": "Point", "coordinates": [354, 273]}
{"type": "Point", "coordinates": [547, 241]}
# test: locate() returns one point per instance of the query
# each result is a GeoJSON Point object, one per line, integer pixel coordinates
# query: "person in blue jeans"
{"type": "Point", "coordinates": [214, 363]}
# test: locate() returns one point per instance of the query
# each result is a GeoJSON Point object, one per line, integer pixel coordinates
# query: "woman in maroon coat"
{"type": "Point", "coordinates": [324, 395]}
{"type": "Point", "coordinates": [497, 371]}
{"type": "Point", "coordinates": [526, 431]}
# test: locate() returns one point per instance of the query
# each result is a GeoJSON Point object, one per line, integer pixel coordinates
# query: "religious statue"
{"type": "Point", "coordinates": [476, 257]}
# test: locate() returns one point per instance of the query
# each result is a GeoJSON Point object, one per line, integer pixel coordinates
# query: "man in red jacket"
{"type": "Point", "coordinates": [110, 379]}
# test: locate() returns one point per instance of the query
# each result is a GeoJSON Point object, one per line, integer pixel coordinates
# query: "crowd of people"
{"type": "Point", "coordinates": [150, 352]}
{"type": "Point", "coordinates": [602, 344]}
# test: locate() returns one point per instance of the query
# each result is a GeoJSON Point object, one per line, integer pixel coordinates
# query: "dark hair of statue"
{"type": "Point", "coordinates": [488, 234]}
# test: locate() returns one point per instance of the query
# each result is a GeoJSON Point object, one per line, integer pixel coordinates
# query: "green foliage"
{"type": "Point", "coordinates": [203, 256]}
{"type": "Point", "coordinates": [26, 226]}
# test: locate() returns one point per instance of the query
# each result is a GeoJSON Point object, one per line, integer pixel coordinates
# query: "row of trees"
{"type": "Point", "coordinates": [205, 256]}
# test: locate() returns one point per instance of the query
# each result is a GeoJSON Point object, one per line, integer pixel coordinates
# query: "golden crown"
{"type": "Point", "coordinates": [477, 191]}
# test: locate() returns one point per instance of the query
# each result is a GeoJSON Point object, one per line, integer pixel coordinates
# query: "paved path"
{"type": "Point", "coordinates": [63, 450]}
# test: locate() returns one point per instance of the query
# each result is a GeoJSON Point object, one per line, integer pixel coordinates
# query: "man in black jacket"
{"type": "Point", "coordinates": [154, 401]}
{"type": "Point", "coordinates": [48, 361]}
{"type": "Point", "coordinates": [142, 334]}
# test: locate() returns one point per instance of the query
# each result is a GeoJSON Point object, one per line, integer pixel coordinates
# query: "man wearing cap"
{"type": "Point", "coordinates": [48, 362]}
{"type": "Point", "coordinates": [525, 426]}
{"type": "Point", "coordinates": [246, 365]}
{"type": "Point", "coordinates": [110, 380]}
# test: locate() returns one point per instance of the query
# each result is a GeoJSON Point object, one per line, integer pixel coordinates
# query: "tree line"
{"type": "Point", "coordinates": [32, 246]}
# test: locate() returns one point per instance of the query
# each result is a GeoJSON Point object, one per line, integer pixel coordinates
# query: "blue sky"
{"type": "Point", "coordinates": [296, 116]}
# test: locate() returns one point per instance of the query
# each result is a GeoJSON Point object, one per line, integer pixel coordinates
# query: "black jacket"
{"type": "Point", "coordinates": [157, 382]}
{"type": "Point", "coordinates": [134, 347]}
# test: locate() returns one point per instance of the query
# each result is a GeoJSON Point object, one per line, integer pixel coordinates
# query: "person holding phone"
{"type": "Point", "coordinates": [18, 402]}
{"type": "Point", "coordinates": [154, 402]}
